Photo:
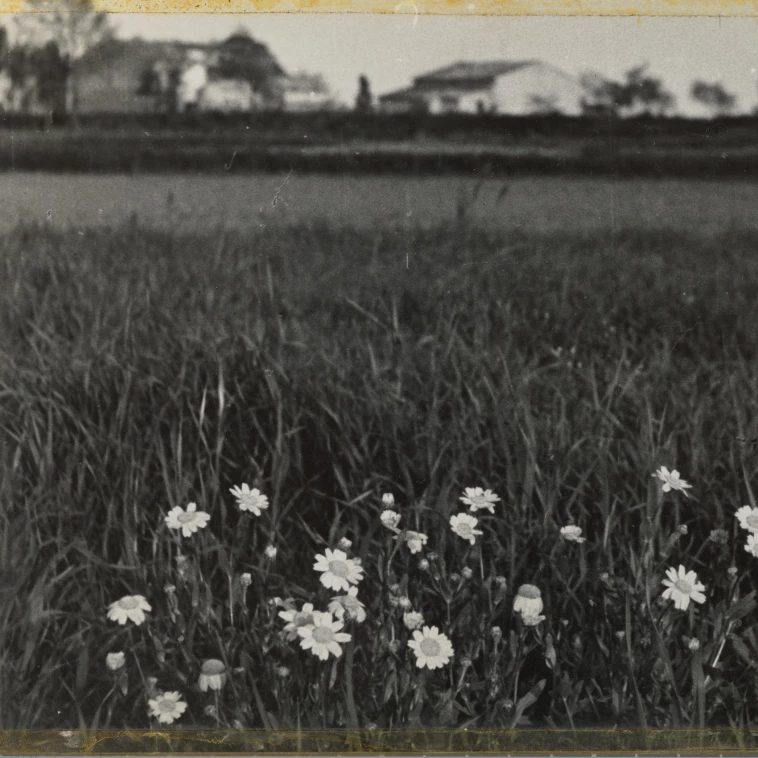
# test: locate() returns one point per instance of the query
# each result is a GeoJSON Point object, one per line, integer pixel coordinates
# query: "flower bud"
{"type": "Point", "coordinates": [732, 571]}
{"type": "Point", "coordinates": [246, 579]}
{"type": "Point", "coordinates": [467, 573]}
{"type": "Point", "coordinates": [501, 582]}
{"type": "Point", "coordinates": [413, 620]}
{"type": "Point", "coordinates": [210, 710]}
{"type": "Point", "coordinates": [683, 530]}
{"type": "Point", "coordinates": [345, 544]}
{"type": "Point", "coordinates": [719, 536]}
{"type": "Point", "coordinates": [115, 661]}
{"type": "Point", "coordinates": [423, 564]}
{"type": "Point", "coordinates": [496, 633]}
{"type": "Point", "coordinates": [455, 578]}
{"type": "Point", "coordinates": [694, 644]}
{"type": "Point", "coordinates": [182, 566]}
{"type": "Point", "coordinates": [270, 552]}
{"type": "Point", "coordinates": [388, 499]}
{"type": "Point", "coordinates": [404, 602]}
{"type": "Point", "coordinates": [283, 672]}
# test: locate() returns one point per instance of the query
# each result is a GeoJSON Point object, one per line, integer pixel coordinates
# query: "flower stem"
{"type": "Point", "coordinates": [352, 713]}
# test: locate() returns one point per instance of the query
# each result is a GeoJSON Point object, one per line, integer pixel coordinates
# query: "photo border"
{"type": "Point", "coordinates": [540, 741]}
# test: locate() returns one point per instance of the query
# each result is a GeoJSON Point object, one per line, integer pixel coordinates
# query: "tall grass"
{"type": "Point", "coordinates": [141, 371]}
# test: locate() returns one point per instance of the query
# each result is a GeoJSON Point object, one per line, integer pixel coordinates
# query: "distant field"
{"type": "Point", "coordinates": [183, 202]}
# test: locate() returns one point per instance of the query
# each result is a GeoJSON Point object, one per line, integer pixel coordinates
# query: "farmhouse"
{"type": "Point", "coordinates": [139, 76]}
{"type": "Point", "coordinates": [508, 87]}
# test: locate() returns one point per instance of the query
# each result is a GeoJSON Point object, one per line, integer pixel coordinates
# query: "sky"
{"type": "Point", "coordinates": [392, 49]}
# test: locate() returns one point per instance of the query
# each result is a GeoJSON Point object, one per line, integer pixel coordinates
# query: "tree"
{"type": "Point", "coordinates": [714, 97]}
{"type": "Point", "coordinates": [51, 71]}
{"type": "Point", "coordinates": [74, 26]}
{"type": "Point", "coordinates": [638, 94]}
{"type": "Point", "coordinates": [364, 100]}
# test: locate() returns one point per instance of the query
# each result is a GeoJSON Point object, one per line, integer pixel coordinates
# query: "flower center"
{"type": "Point", "coordinates": [683, 586]}
{"type": "Point", "coordinates": [323, 635]}
{"type": "Point", "coordinates": [338, 568]}
{"type": "Point", "coordinates": [128, 603]}
{"type": "Point", "coordinates": [184, 518]}
{"type": "Point", "coordinates": [430, 647]}
{"type": "Point", "coordinates": [464, 529]}
{"type": "Point", "coordinates": [166, 706]}
{"type": "Point", "coordinates": [752, 520]}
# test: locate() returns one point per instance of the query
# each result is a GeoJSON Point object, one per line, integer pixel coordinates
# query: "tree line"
{"type": "Point", "coordinates": [40, 64]}
{"type": "Point", "coordinates": [640, 93]}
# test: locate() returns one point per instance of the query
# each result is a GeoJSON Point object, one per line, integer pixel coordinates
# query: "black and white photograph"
{"type": "Point", "coordinates": [377, 381]}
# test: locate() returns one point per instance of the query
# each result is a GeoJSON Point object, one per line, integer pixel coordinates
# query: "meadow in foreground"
{"type": "Point", "coordinates": [318, 477]}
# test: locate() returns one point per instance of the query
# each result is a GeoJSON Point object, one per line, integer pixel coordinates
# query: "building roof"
{"type": "Point", "coordinates": [400, 95]}
{"type": "Point", "coordinates": [470, 71]}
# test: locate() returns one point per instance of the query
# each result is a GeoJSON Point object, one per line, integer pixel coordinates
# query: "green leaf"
{"type": "Point", "coordinates": [527, 701]}
{"type": "Point", "coordinates": [741, 607]}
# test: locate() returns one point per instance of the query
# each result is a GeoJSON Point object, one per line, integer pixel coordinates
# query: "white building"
{"type": "Point", "coordinates": [506, 87]}
{"type": "Point", "coordinates": [192, 81]}
{"type": "Point", "coordinates": [228, 96]}
{"type": "Point", "coordinates": [305, 92]}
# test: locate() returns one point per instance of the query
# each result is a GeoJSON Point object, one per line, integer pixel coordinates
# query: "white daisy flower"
{"type": "Point", "coordinates": [572, 533]}
{"type": "Point", "coordinates": [188, 521]}
{"type": "Point", "coordinates": [432, 649]}
{"type": "Point", "coordinates": [752, 545]}
{"type": "Point", "coordinates": [250, 500]}
{"type": "Point", "coordinates": [129, 608]}
{"type": "Point", "coordinates": [413, 620]}
{"type": "Point", "coordinates": [167, 707]}
{"type": "Point", "coordinates": [415, 541]}
{"type": "Point", "coordinates": [748, 518]}
{"type": "Point", "coordinates": [683, 587]}
{"type": "Point", "coordinates": [463, 525]}
{"type": "Point", "coordinates": [212, 675]}
{"type": "Point", "coordinates": [115, 661]}
{"type": "Point", "coordinates": [296, 619]}
{"type": "Point", "coordinates": [390, 519]}
{"type": "Point", "coordinates": [528, 600]}
{"type": "Point", "coordinates": [388, 499]}
{"type": "Point", "coordinates": [477, 499]}
{"type": "Point", "coordinates": [348, 605]}
{"type": "Point", "coordinates": [324, 636]}
{"type": "Point", "coordinates": [339, 571]}
{"type": "Point", "coordinates": [671, 480]}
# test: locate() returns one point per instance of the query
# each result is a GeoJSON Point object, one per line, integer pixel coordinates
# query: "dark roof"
{"type": "Point", "coordinates": [400, 95]}
{"type": "Point", "coordinates": [466, 71]}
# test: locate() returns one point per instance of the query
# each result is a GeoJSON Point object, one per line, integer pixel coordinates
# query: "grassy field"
{"type": "Point", "coordinates": [184, 204]}
{"type": "Point", "coordinates": [326, 366]}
